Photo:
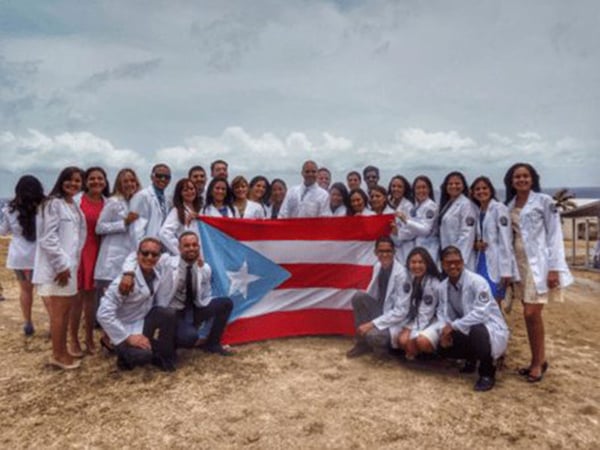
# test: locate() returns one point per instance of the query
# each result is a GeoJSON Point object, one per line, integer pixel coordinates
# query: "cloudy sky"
{"type": "Point", "coordinates": [411, 86]}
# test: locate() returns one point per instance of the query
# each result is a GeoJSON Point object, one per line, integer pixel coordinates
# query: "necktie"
{"type": "Point", "coordinates": [190, 292]}
{"type": "Point", "coordinates": [162, 203]}
{"type": "Point", "coordinates": [304, 192]}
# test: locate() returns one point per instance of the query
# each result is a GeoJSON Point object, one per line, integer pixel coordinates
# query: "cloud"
{"type": "Point", "coordinates": [36, 150]}
{"type": "Point", "coordinates": [418, 139]}
{"type": "Point", "coordinates": [134, 70]}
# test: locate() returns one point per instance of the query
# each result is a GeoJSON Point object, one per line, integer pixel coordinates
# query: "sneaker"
{"type": "Point", "coordinates": [28, 329]}
{"type": "Point", "coordinates": [484, 384]}
{"type": "Point", "coordinates": [357, 350]}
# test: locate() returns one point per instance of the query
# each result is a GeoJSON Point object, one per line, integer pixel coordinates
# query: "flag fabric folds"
{"type": "Point", "coordinates": [290, 277]}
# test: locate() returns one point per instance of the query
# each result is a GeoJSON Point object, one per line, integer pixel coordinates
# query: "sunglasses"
{"type": "Point", "coordinates": [147, 253]}
{"type": "Point", "coordinates": [162, 176]}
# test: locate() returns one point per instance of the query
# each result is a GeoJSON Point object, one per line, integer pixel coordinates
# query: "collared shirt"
{"type": "Point", "coordinates": [179, 299]}
{"type": "Point", "coordinates": [455, 309]}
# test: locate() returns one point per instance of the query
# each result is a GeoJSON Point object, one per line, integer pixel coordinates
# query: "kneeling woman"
{"type": "Point", "coordinates": [420, 334]}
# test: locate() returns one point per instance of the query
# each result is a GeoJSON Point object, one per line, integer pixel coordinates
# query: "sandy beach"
{"type": "Point", "coordinates": [304, 393]}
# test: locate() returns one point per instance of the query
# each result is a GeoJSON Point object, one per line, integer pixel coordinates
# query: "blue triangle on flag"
{"type": "Point", "coordinates": [238, 272]}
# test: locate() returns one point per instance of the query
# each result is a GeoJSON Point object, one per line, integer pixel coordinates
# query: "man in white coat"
{"type": "Point", "coordinates": [385, 304]}
{"type": "Point", "coordinates": [151, 204]}
{"type": "Point", "coordinates": [471, 324]}
{"type": "Point", "coordinates": [307, 199]}
{"type": "Point", "coordinates": [138, 324]}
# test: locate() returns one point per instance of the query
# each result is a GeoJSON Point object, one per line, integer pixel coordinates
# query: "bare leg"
{"type": "Point", "coordinates": [26, 299]}
{"type": "Point", "coordinates": [535, 333]}
{"type": "Point", "coordinates": [89, 315]}
{"type": "Point", "coordinates": [59, 320]}
{"type": "Point", "coordinates": [423, 345]}
{"type": "Point", "coordinates": [74, 322]}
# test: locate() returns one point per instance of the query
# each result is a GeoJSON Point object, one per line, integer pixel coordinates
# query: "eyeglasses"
{"type": "Point", "coordinates": [371, 177]}
{"type": "Point", "coordinates": [162, 176]}
{"type": "Point", "coordinates": [147, 253]}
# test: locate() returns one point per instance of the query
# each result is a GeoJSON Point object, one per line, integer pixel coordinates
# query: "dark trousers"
{"type": "Point", "coordinates": [219, 309]}
{"type": "Point", "coordinates": [475, 346]}
{"type": "Point", "coordinates": [159, 327]}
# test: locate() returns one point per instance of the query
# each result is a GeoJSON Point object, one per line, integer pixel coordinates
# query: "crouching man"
{"type": "Point", "coordinates": [384, 305]}
{"type": "Point", "coordinates": [472, 326]}
{"type": "Point", "coordinates": [141, 331]}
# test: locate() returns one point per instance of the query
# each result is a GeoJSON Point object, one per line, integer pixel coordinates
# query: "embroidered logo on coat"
{"type": "Point", "coordinates": [484, 297]}
{"type": "Point", "coordinates": [406, 287]}
{"type": "Point", "coordinates": [429, 214]}
{"type": "Point", "coordinates": [503, 221]}
{"type": "Point", "coordinates": [470, 221]}
{"type": "Point", "coordinates": [428, 299]}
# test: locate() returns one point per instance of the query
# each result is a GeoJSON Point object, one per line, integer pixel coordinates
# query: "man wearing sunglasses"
{"type": "Point", "coordinates": [151, 204]}
{"type": "Point", "coordinates": [141, 330]}
{"type": "Point", "coordinates": [371, 176]}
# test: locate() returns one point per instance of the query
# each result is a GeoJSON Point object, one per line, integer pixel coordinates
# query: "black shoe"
{"type": "Point", "coordinates": [358, 350]}
{"type": "Point", "coordinates": [484, 384]}
{"type": "Point", "coordinates": [469, 367]}
{"type": "Point", "coordinates": [164, 364]}
{"type": "Point", "coordinates": [217, 349]}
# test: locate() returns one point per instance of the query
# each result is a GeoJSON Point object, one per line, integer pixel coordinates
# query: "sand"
{"type": "Point", "coordinates": [304, 393]}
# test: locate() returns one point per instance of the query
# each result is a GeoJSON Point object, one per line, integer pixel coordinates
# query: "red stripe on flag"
{"type": "Point", "coordinates": [290, 323]}
{"type": "Point", "coordinates": [339, 276]}
{"type": "Point", "coordinates": [356, 228]}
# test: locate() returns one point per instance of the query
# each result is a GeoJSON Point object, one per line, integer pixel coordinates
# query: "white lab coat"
{"type": "Point", "coordinates": [421, 227]}
{"type": "Point", "coordinates": [314, 203]}
{"type": "Point", "coordinates": [496, 231]}
{"type": "Point", "coordinates": [404, 243]}
{"type": "Point", "coordinates": [61, 232]}
{"type": "Point", "coordinates": [478, 307]}
{"type": "Point", "coordinates": [540, 226]}
{"type": "Point", "coordinates": [340, 211]}
{"type": "Point", "coordinates": [253, 210]}
{"type": "Point", "coordinates": [397, 296]}
{"type": "Point", "coordinates": [145, 202]}
{"type": "Point", "coordinates": [457, 228]}
{"type": "Point", "coordinates": [118, 239]}
{"type": "Point", "coordinates": [213, 211]}
{"type": "Point", "coordinates": [172, 228]}
{"type": "Point", "coordinates": [21, 252]}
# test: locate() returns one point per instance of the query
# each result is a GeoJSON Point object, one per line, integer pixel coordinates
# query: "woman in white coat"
{"type": "Point", "coordinates": [259, 192]}
{"type": "Point", "coordinates": [18, 219]}
{"type": "Point", "coordinates": [182, 217]}
{"type": "Point", "coordinates": [114, 225]}
{"type": "Point", "coordinates": [338, 200]}
{"type": "Point", "coordinates": [539, 250]}
{"type": "Point", "coordinates": [419, 228]}
{"type": "Point", "coordinates": [420, 332]}
{"type": "Point", "coordinates": [358, 203]}
{"type": "Point", "coordinates": [457, 217]}
{"type": "Point", "coordinates": [378, 201]}
{"type": "Point", "coordinates": [245, 208]}
{"type": "Point", "coordinates": [61, 232]}
{"type": "Point", "coordinates": [219, 199]}
{"type": "Point", "coordinates": [495, 259]}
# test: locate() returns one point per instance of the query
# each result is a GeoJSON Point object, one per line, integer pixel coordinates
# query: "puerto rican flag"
{"type": "Point", "coordinates": [290, 277]}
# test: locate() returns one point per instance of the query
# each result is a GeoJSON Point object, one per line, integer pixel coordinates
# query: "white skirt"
{"type": "Point", "coordinates": [54, 290]}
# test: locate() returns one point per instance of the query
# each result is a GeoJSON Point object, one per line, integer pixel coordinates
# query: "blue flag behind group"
{"type": "Point", "coordinates": [238, 271]}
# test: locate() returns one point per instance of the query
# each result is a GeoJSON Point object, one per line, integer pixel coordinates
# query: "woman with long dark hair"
{"type": "Point", "coordinates": [18, 219]}
{"type": "Point", "coordinates": [183, 215]}
{"type": "Point", "coordinates": [278, 191]}
{"type": "Point", "coordinates": [419, 334]}
{"type": "Point", "coordinates": [539, 251]}
{"type": "Point", "coordinates": [219, 199]}
{"type": "Point", "coordinates": [419, 228]}
{"type": "Point", "coordinates": [338, 200]}
{"type": "Point", "coordinates": [91, 202]}
{"type": "Point", "coordinates": [259, 192]}
{"type": "Point", "coordinates": [495, 259]}
{"type": "Point", "coordinates": [378, 201]}
{"type": "Point", "coordinates": [359, 203]}
{"type": "Point", "coordinates": [457, 217]}
{"type": "Point", "coordinates": [60, 232]}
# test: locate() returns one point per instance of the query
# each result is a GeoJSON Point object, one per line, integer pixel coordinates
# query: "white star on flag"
{"type": "Point", "coordinates": [240, 280]}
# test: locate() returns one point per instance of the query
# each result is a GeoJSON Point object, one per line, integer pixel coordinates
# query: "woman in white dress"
{"type": "Point", "coordinates": [61, 233]}
{"type": "Point", "coordinates": [19, 220]}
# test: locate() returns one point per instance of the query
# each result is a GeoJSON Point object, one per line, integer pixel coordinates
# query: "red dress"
{"type": "Point", "coordinates": [85, 276]}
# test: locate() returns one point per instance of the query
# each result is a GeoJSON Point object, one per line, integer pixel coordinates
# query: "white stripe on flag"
{"type": "Point", "coordinates": [296, 299]}
{"type": "Point", "coordinates": [316, 252]}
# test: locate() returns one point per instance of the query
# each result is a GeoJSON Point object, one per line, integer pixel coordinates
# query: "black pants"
{"type": "Point", "coordinates": [159, 327]}
{"type": "Point", "coordinates": [475, 346]}
{"type": "Point", "coordinates": [219, 309]}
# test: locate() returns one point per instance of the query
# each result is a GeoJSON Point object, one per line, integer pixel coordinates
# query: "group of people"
{"type": "Point", "coordinates": [133, 248]}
